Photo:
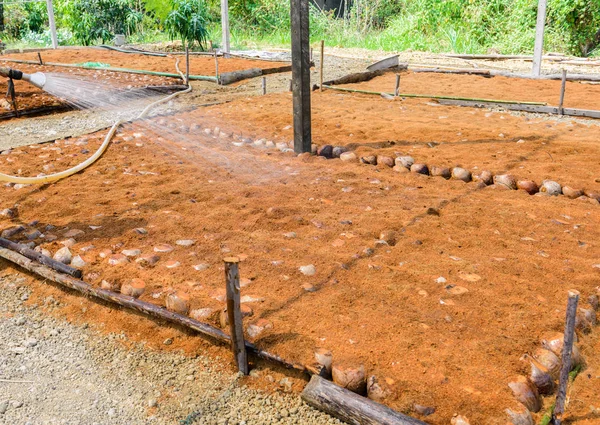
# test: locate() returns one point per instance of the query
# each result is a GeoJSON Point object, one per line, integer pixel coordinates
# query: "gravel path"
{"type": "Point", "coordinates": [53, 372]}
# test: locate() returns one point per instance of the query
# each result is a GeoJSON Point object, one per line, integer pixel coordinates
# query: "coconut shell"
{"type": "Point", "coordinates": [506, 180]}
{"type": "Point", "coordinates": [485, 177]}
{"type": "Point", "coordinates": [339, 150]}
{"type": "Point", "coordinates": [441, 172]}
{"type": "Point", "coordinates": [522, 417]}
{"type": "Point", "coordinates": [324, 358]}
{"type": "Point", "coordinates": [585, 320]}
{"type": "Point", "coordinates": [541, 377]}
{"type": "Point", "coordinates": [350, 376]}
{"type": "Point", "coordinates": [526, 393]}
{"type": "Point", "coordinates": [571, 193]}
{"type": "Point", "coordinates": [134, 288]}
{"type": "Point", "coordinates": [178, 302]}
{"type": "Point", "coordinates": [461, 174]}
{"type": "Point", "coordinates": [326, 151]}
{"type": "Point", "coordinates": [592, 194]}
{"type": "Point", "coordinates": [551, 188]}
{"type": "Point", "coordinates": [549, 360]}
{"type": "Point", "coordinates": [594, 302]}
{"type": "Point", "coordinates": [400, 169]}
{"type": "Point", "coordinates": [419, 169]}
{"type": "Point", "coordinates": [109, 286]}
{"type": "Point", "coordinates": [385, 161]}
{"type": "Point", "coordinates": [528, 186]}
{"type": "Point", "coordinates": [555, 344]}
{"type": "Point", "coordinates": [348, 157]}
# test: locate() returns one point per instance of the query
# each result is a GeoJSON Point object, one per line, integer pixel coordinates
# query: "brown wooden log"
{"type": "Point", "coordinates": [563, 381]}
{"type": "Point", "coordinates": [469, 71]}
{"type": "Point", "coordinates": [40, 258]}
{"type": "Point", "coordinates": [350, 407]}
{"type": "Point", "coordinates": [226, 78]}
{"type": "Point", "coordinates": [143, 307]}
{"type": "Point", "coordinates": [236, 326]}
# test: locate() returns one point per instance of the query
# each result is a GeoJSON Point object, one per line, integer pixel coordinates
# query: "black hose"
{"type": "Point", "coordinates": [116, 49]}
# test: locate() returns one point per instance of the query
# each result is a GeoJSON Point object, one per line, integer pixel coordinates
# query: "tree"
{"type": "Point", "coordinates": [187, 20]}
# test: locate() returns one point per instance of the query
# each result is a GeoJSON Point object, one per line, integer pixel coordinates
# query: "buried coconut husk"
{"type": "Point", "coordinates": [521, 417]}
{"type": "Point", "coordinates": [526, 393]}
{"type": "Point", "coordinates": [551, 188]}
{"type": "Point", "coordinates": [405, 161]}
{"type": "Point", "coordinates": [541, 377]}
{"type": "Point", "coordinates": [486, 177]}
{"type": "Point", "coordinates": [571, 193]}
{"type": "Point", "coordinates": [459, 173]}
{"type": "Point", "coordinates": [440, 172]}
{"type": "Point", "coordinates": [555, 344]}
{"type": "Point", "coordinates": [549, 360]}
{"type": "Point", "coordinates": [528, 186]}
{"type": "Point", "coordinates": [178, 302]}
{"type": "Point", "coordinates": [420, 169]}
{"type": "Point", "coordinates": [506, 180]}
{"type": "Point", "coordinates": [350, 376]}
{"type": "Point", "coordinates": [134, 288]}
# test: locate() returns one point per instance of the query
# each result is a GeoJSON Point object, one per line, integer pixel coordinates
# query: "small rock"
{"type": "Point", "coordinates": [571, 193]}
{"type": "Point", "coordinates": [171, 264]}
{"type": "Point", "coordinates": [152, 402]}
{"type": "Point", "coordinates": [134, 288]}
{"type": "Point", "coordinates": [131, 252]}
{"type": "Point", "coordinates": [405, 161]}
{"type": "Point", "coordinates": [20, 321]}
{"type": "Point", "coordinates": [163, 248]}
{"type": "Point", "coordinates": [201, 267]}
{"type": "Point", "coordinates": [168, 341]}
{"type": "Point", "coordinates": [369, 159]}
{"type": "Point", "coordinates": [389, 236]}
{"type": "Point", "coordinates": [185, 242]}
{"type": "Point", "coordinates": [400, 169]}
{"type": "Point", "coordinates": [326, 151]}
{"type": "Point", "coordinates": [73, 233]}
{"type": "Point", "coordinates": [201, 313]}
{"type": "Point", "coordinates": [29, 343]}
{"type": "Point", "coordinates": [140, 231]}
{"type": "Point", "coordinates": [308, 270]}
{"type": "Point", "coordinates": [78, 262]}
{"type": "Point", "coordinates": [63, 255]}
{"type": "Point", "coordinates": [290, 235]}
{"type": "Point", "coordinates": [8, 212]}
{"type": "Point", "coordinates": [338, 151]}
{"type": "Point", "coordinates": [461, 174]}
{"type": "Point", "coordinates": [348, 157]}
{"type": "Point", "coordinates": [385, 160]}
{"type": "Point", "coordinates": [256, 328]}
{"type": "Point", "coordinates": [33, 235]}
{"type": "Point", "coordinates": [424, 410]}
{"type": "Point", "coordinates": [309, 288]}
{"type": "Point", "coordinates": [117, 260]}
{"type": "Point", "coordinates": [147, 260]}
{"type": "Point", "coordinates": [3, 407]}
{"type": "Point", "coordinates": [69, 243]}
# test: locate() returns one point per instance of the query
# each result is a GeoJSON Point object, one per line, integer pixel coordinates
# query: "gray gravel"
{"type": "Point", "coordinates": [53, 372]}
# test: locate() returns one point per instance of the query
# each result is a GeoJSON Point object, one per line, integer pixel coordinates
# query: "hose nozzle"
{"type": "Point", "coordinates": [38, 79]}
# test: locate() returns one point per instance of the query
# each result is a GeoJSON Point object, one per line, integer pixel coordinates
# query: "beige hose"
{"type": "Point", "coordinates": [57, 176]}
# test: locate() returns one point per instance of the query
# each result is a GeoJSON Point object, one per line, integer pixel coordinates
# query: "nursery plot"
{"type": "Point", "coordinates": [199, 65]}
{"type": "Point", "coordinates": [437, 286]}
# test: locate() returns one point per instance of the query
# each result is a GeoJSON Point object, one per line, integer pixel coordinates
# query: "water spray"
{"type": "Point", "coordinates": [38, 79]}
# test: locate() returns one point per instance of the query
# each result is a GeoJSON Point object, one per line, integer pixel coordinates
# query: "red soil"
{"type": "Point", "coordinates": [516, 254]}
{"type": "Point", "coordinates": [577, 94]}
{"type": "Point", "coordinates": [199, 65]}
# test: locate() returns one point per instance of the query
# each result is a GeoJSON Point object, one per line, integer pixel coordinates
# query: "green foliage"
{"type": "Point", "coordinates": [93, 20]}
{"type": "Point", "coordinates": [187, 21]}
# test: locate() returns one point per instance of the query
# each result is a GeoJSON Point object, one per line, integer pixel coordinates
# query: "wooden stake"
{"type": "Point", "coordinates": [561, 396]}
{"type": "Point", "coordinates": [291, 85]}
{"type": "Point", "coordinates": [321, 65]}
{"type": "Point", "coordinates": [397, 89]}
{"type": "Point", "coordinates": [187, 65]}
{"type": "Point", "coordinates": [562, 92]}
{"type": "Point", "coordinates": [539, 38]}
{"type": "Point", "coordinates": [301, 75]}
{"type": "Point", "coordinates": [40, 58]}
{"type": "Point", "coordinates": [264, 85]}
{"type": "Point", "coordinates": [216, 65]}
{"type": "Point", "coordinates": [232, 277]}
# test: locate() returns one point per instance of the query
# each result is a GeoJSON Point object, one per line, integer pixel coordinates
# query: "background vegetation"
{"type": "Point", "coordinates": [465, 26]}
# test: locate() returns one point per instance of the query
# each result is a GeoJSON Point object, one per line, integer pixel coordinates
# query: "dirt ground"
{"type": "Point", "coordinates": [506, 258]}
{"type": "Point", "coordinates": [199, 65]}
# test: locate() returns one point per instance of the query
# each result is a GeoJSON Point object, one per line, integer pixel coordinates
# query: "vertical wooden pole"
{"type": "Point", "coordinates": [539, 38]}
{"type": "Point", "coordinates": [397, 88]}
{"type": "Point", "coordinates": [301, 75]}
{"type": "Point", "coordinates": [187, 65]}
{"type": "Point", "coordinates": [264, 85]}
{"type": "Point", "coordinates": [216, 65]}
{"type": "Point", "coordinates": [225, 26]}
{"type": "Point", "coordinates": [40, 58]}
{"type": "Point", "coordinates": [52, 24]}
{"type": "Point", "coordinates": [234, 314]}
{"type": "Point", "coordinates": [321, 65]}
{"type": "Point", "coordinates": [563, 86]}
{"type": "Point", "coordinates": [561, 396]}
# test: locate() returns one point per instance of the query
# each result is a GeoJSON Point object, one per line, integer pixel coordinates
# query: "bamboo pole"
{"type": "Point", "coordinates": [321, 65]}
{"type": "Point", "coordinates": [143, 307]}
{"type": "Point", "coordinates": [236, 326]}
{"type": "Point", "coordinates": [397, 88]}
{"type": "Point", "coordinates": [428, 96]}
{"type": "Point", "coordinates": [561, 396]}
{"type": "Point", "coordinates": [216, 65]}
{"type": "Point", "coordinates": [562, 92]}
{"type": "Point", "coordinates": [40, 58]}
{"type": "Point", "coordinates": [187, 64]}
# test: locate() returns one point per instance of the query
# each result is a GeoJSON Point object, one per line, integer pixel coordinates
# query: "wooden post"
{"type": "Point", "coordinates": [350, 407]}
{"type": "Point", "coordinates": [563, 86]}
{"type": "Point", "coordinates": [40, 58]}
{"type": "Point", "coordinates": [225, 27]}
{"type": "Point", "coordinates": [539, 38]}
{"type": "Point", "coordinates": [236, 327]}
{"type": "Point", "coordinates": [187, 65]}
{"type": "Point", "coordinates": [321, 65]}
{"type": "Point", "coordinates": [291, 85]}
{"type": "Point", "coordinates": [216, 65]}
{"type": "Point", "coordinates": [561, 396]}
{"type": "Point", "coordinates": [264, 85]}
{"type": "Point", "coordinates": [52, 24]}
{"type": "Point", "coordinates": [301, 75]}
{"type": "Point", "coordinates": [397, 89]}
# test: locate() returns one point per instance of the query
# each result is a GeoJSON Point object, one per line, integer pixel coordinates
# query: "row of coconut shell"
{"type": "Point", "coordinates": [545, 364]}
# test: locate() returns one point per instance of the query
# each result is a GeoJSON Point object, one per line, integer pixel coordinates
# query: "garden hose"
{"type": "Point", "coordinates": [66, 173]}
